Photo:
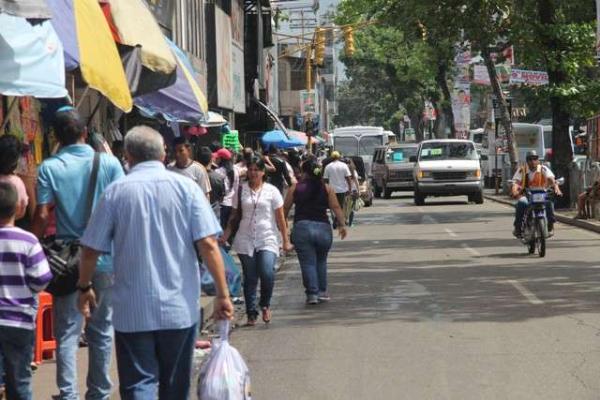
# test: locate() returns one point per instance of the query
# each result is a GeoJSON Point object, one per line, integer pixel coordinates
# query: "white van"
{"type": "Point", "coordinates": [359, 141]}
{"type": "Point", "coordinates": [448, 167]}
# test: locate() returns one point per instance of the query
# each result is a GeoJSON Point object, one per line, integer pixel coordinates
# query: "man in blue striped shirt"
{"type": "Point", "coordinates": [157, 220]}
{"type": "Point", "coordinates": [24, 271]}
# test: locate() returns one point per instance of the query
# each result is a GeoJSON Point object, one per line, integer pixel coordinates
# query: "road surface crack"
{"type": "Point", "coordinates": [581, 322]}
{"type": "Point", "coordinates": [574, 372]}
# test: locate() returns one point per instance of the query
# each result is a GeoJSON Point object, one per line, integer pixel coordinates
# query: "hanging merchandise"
{"type": "Point", "coordinates": [231, 141]}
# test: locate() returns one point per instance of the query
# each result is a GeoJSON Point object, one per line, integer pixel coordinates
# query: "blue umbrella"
{"type": "Point", "coordinates": [280, 140]}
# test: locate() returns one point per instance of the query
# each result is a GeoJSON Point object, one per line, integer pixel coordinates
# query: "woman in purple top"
{"type": "Point", "coordinates": [312, 234]}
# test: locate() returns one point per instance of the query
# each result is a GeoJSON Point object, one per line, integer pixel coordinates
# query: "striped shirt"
{"type": "Point", "coordinates": [24, 271]}
{"type": "Point", "coordinates": [153, 217]}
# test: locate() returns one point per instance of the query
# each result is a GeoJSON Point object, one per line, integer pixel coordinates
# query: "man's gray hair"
{"type": "Point", "coordinates": [144, 144]}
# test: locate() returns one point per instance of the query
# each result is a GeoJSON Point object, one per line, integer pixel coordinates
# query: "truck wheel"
{"type": "Point", "coordinates": [419, 198]}
{"type": "Point", "coordinates": [376, 190]}
{"type": "Point", "coordinates": [478, 198]}
{"type": "Point", "coordinates": [387, 193]}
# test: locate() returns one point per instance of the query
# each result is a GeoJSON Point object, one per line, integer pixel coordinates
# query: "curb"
{"type": "Point", "coordinates": [580, 223]}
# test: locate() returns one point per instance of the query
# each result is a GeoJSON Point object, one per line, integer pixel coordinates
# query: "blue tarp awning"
{"type": "Point", "coordinates": [31, 59]}
{"type": "Point", "coordinates": [278, 139]}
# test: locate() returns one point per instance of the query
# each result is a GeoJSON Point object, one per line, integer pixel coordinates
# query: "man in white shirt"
{"type": "Point", "coordinates": [185, 165]}
{"type": "Point", "coordinates": [338, 175]}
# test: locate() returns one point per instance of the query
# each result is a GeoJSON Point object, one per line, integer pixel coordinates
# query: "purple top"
{"type": "Point", "coordinates": [310, 198]}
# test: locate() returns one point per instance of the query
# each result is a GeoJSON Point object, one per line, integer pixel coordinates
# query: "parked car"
{"type": "Point", "coordinates": [392, 169]}
{"type": "Point", "coordinates": [365, 189]}
{"type": "Point", "coordinates": [447, 167]}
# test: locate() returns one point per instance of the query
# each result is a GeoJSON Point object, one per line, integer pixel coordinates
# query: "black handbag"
{"type": "Point", "coordinates": [63, 256]}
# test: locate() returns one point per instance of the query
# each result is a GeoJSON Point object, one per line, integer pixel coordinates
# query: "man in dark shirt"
{"type": "Point", "coordinates": [277, 172]}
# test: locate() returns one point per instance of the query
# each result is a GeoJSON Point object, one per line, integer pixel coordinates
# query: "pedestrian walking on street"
{"type": "Point", "coordinates": [156, 220]}
{"type": "Point", "coordinates": [63, 181]}
{"type": "Point", "coordinates": [312, 234]}
{"type": "Point", "coordinates": [338, 175]}
{"type": "Point", "coordinates": [24, 272]}
{"type": "Point", "coordinates": [10, 152]}
{"type": "Point", "coordinates": [185, 165]}
{"type": "Point", "coordinates": [231, 177]}
{"type": "Point", "coordinates": [278, 174]}
{"type": "Point", "coordinates": [258, 217]}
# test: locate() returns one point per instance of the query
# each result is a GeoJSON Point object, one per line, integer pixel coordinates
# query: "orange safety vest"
{"type": "Point", "coordinates": [538, 179]}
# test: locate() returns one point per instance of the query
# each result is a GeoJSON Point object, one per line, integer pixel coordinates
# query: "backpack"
{"type": "Point", "coordinates": [217, 185]}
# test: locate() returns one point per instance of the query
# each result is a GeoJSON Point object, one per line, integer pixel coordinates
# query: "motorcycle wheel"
{"type": "Point", "coordinates": [531, 247]}
{"type": "Point", "coordinates": [540, 237]}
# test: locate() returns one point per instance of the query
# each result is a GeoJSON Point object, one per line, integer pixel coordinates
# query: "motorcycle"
{"type": "Point", "coordinates": [535, 222]}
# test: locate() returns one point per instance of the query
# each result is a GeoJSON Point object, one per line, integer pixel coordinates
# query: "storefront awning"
{"type": "Point", "coordinates": [89, 45]}
{"type": "Point", "coordinates": [136, 26]}
{"type": "Point", "coordinates": [32, 9]}
{"type": "Point", "coordinates": [213, 120]}
{"type": "Point", "coordinates": [280, 140]}
{"type": "Point", "coordinates": [184, 100]}
{"type": "Point", "coordinates": [31, 59]}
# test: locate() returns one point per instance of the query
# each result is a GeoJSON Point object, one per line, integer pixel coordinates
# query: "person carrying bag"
{"type": "Point", "coordinates": [63, 256]}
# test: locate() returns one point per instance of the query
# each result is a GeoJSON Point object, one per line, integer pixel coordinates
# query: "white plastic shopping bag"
{"type": "Point", "coordinates": [225, 375]}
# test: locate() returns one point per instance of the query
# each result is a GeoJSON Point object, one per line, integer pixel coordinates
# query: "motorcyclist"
{"type": "Point", "coordinates": [534, 176]}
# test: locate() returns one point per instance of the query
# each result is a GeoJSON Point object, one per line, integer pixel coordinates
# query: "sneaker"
{"type": "Point", "coordinates": [312, 299]}
{"type": "Point", "coordinates": [266, 315]}
{"type": "Point", "coordinates": [550, 232]}
{"type": "Point", "coordinates": [251, 321]}
{"type": "Point", "coordinates": [324, 297]}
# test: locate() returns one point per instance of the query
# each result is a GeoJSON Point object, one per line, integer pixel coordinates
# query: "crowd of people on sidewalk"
{"type": "Point", "coordinates": [142, 224]}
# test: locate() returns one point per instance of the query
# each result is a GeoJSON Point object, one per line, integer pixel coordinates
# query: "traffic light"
{"type": "Point", "coordinates": [348, 40]}
{"type": "Point", "coordinates": [319, 46]}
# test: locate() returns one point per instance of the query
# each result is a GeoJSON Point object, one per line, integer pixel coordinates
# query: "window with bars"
{"type": "Point", "coordinates": [190, 27]}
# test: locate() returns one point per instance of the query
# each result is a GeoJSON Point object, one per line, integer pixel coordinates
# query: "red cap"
{"type": "Point", "coordinates": [222, 153]}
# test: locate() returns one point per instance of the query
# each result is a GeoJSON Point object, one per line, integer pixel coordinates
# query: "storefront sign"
{"type": "Point", "coordinates": [224, 52]}
{"type": "Point", "coordinates": [533, 78]}
{"type": "Point", "coordinates": [239, 92]}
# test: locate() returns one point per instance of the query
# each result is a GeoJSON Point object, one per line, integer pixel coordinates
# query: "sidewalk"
{"type": "Point", "coordinates": [564, 216]}
{"type": "Point", "coordinates": [44, 379]}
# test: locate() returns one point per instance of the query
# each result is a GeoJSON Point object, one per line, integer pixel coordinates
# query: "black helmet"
{"type": "Point", "coordinates": [531, 154]}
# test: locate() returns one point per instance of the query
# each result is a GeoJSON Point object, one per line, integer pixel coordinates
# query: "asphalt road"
{"type": "Point", "coordinates": [436, 302]}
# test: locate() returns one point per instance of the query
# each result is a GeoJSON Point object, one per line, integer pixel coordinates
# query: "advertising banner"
{"type": "Point", "coordinates": [308, 102]}
{"type": "Point", "coordinates": [224, 52]}
{"type": "Point", "coordinates": [461, 94]}
{"type": "Point", "coordinates": [532, 78]}
{"type": "Point", "coordinates": [239, 92]}
{"type": "Point", "coordinates": [237, 23]}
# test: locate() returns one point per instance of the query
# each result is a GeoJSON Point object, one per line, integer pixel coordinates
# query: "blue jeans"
{"type": "Point", "coordinates": [312, 241]}
{"type": "Point", "coordinates": [225, 214]}
{"type": "Point", "coordinates": [261, 266]}
{"type": "Point", "coordinates": [155, 362]}
{"type": "Point", "coordinates": [68, 324]}
{"type": "Point", "coordinates": [522, 207]}
{"type": "Point", "coordinates": [16, 345]}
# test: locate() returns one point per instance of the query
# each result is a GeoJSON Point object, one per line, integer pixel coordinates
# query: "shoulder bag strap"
{"type": "Point", "coordinates": [91, 190]}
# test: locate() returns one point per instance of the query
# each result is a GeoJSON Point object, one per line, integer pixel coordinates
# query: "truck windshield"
{"type": "Point", "coordinates": [448, 151]}
{"type": "Point", "coordinates": [347, 146]}
{"type": "Point", "coordinates": [401, 155]}
{"type": "Point", "coordinates": [367, 145]}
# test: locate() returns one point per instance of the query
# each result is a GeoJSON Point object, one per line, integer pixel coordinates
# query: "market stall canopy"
{"type": "Point", "coordinates": [31, 59]}
{"type": "Point", "coordinates": [184, 100]}
{"type": "Point", "coordinates": [89, 45]}
{"type": "Point", "coordinates": [213, 120]}
{"type": "Point", "coordinates": [303, 138]}
{"type": "Point", "coordinates": [135, 26]}
{"type": "Point", "coordinates": [31, 9]}
{"type": "Point", "coordinates": [280, 140]}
